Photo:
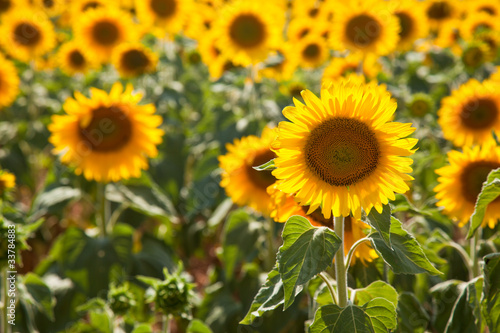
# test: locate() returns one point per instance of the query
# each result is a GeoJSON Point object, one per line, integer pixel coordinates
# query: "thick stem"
{"type": "Point", "coordinates": [271, 251]}
{"type": "Point", "coordinates": [340, 271]}
{"type": "Point", "coordinates": [102, 213]}
{"type": "Point", "coordinates": [166, 323]}
{"type": "Point", "coordinates": [473, 254]}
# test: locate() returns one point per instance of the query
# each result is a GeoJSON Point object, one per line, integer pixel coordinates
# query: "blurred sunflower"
{"type": "Point", "coordinates": [474, 24]}
{"type": "Point", "coordinates": [491, 39]}
{"type": "Point", "coordinates": [246, 33]}
{"type": "Point", "coordinates": [471, 113]}
{"type": "Point", "coordinates": [52, 8]}
{"type": "Point", "coordinates": [475, 54]}
{"type": "Point", "coordinates": [283, 64]}
{"type": "Point", "coordinates": [7, 6]}
{"type": "Point", "coordinates": [341, 153]}
{"type": "Point", "coordinates": [420, 105]}
{"type": "Point", "coordinates": [79, 7]}
{"type": "Point", "coordinates": [441, 11]}
{"type": "Point", "coordinates": [168, 15]}
{"type": "Point", "coordinates": [27, 34]}
{"type": "Point", "coordinates": [312, 51]}
{"type": "Point", "coordinates": [413, 23]}
{"type": "Point", "coordinates": [101, 30]}
{"type": "Point", "coordinates": [342, 67]}
{"type": "Point", "coordinates": [246, 186]}
{"type": "Point", "coordinates": [200, 21]}
{"type": "Point", "coordinates": [483, 6]}
{"type": "Point", "coordinates": [461, 181]}
{"type": "Point", "coordinates": [300, 28]}
{"type": "Point", "coordinates": [448, 36]}
{"type": "Point", "coordinates": [72, 58]}
{"type": "Point", "coordinates": [7, 182]}
{"type": "Point", "coordinates": [107, 137]}
{"type": "Point", "coordinates": [9, 82]}
{"type": "Point", "coordinates": [365, 27]}
{"type": "Point", "coordinates": [212, 56]}
{"type": "Point", "coordinates": [134, 59]}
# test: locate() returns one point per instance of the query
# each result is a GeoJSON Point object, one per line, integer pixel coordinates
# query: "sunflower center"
{"type": "Point", "coordinates": [488, 10]}
{"type": "Point", "coordinates": [363, 30]}
{"type": "Point", "coordinates": [473, 177]}
{"type": "Point", "coordinates": [406, 24]}
{"type": "Point", "coordinates": [348, 69]}
{"type": "Point", "coordinates": [5, 5]}
{"type": "Point", "coordinates": [48, 3]}
{"type": "Point", "coordinates": [164, 8]}
{"type": "Point", "coordinates": [247, 31]}
{"type": "Point", "coordinates": [342, 151]}
{"type": "Point", "coordinates": [439, 10]}
{"type": "Point", "coordinates": [312, 51]}
{"type": "Point", "coordinates": [303, 32]}
{"type": "Point", "coordinates": [317, 216]}
{"type": "Point", "coordinates": [76, 58]}
{"type": "Point", "coordinates": [105, 33]}
{"type": "Point", "coordinates": [135, 60]}
{"type": "Point", "coordinates": [109, 130]}
{"type": "Point", "coordinates": [479, 114]}
{"type": "Point", "coordinates": [91, 5]}
{"type": "Point", "coordinates": [262, 179]}
{"type": "Point", "coordinates": [27, 34]}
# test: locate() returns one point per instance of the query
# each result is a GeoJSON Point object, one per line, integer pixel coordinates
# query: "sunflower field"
{"type": "Point", "coordinates": [238, 166]}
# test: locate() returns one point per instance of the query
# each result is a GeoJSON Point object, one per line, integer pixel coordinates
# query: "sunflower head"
{"type": "Point", "coordinates": [335, 153]}
{"type": "Point", "coordinates": [475, 54]}
{"type": "Point", "coordinates": [107, 137]}
{"type": "Point", "coordinates": [313, 51]}
{"type": "Point", "coordinates": [7, 182]}
{"type": "Point", "coordinates": [420, 105]}
{"type": "Point", "coordinates": [461, 181]}
{"type": "Point", "coordinates": [412, 21]}
{"type": "Point", "coordinates": [167, 15]}
{"type": "Point", "coordinates": [9, 82]}
{"type": "Point", "coordinates": [72, 59]}
{"type": "Point", "coordinates": [440, 11]}
{"type": "Point", "coordinates": [132, 60]}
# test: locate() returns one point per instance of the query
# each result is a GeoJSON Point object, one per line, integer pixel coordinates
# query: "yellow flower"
{"type": "Point", "coordinates": [441, 11]}
{"type": "Point", "coordinates": [9, 82]}
{"type": "Point", "coordinates": [475, 54]}
{"type": "Point", "coordinates": [8, 6]}
{"type": "Point", "coordinates": [135, 59]}
{"type": "Point", "coordinates": [413, 23]}
{"type": "Point", "coordinates": [72, 58]}
{"type": "Point", "coordinates": [449, 36]}
{"type": "Point", "coordinates": [283, 206]}
{"type": "Point", "coordinates": [342, 67]}
{"type": "Point", "coordinates": [246, 33]}
{"type": "Point", "coordinates": [476, 23]}
{"type": "Point", "coordinates": [212, 56]}
{"type": "Point", "coordinates": [101, 30]}
{"type": "Point", "coordinates": [312, 51]}
{"type": "Point", "coordinates": [367, 27]}
{"type": "Point", "coordinates": [50, 7]}
{"type": "Point", "coordinates": [281, 70]}
{"type": "Point", "coordinates": [483, 6]}
{"type": "Point", "coordinates": [26, 34]}
{"type": "Point", "coordinates": [168, 15]}
{"type": "Point", "coordinates": [246, 186]}
{"type": "Point", "coordinates": [107, 137]}
{"type": "Point", "coordinates": [200, 21]}
{"type": "Point", "coordinates": [471, 113]}
{"type": "Point", "coordinates": [461, 181]}
{"type": "Point", "coordinates": [302, 27]}
{"type": "Point", "coordinates": [7, 181]}
{"type": "Point", "coordinates": [341, 153]}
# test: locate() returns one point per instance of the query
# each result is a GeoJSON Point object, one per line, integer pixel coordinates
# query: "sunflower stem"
{"type": "Point", "coordinates": [473, 254]}
{"type": "Point", "coordinates": [166, 323]}
{"type": "Point", "coordinates": [340, 271]}
{"type": "Point", "coordinates": [352, 249]}
{"type": "Point", "coordinates": [102, 213]}
{"type": "Point", "coordinates": [271, 251]}
{"type": "Point", "coordinates": [325, 279]}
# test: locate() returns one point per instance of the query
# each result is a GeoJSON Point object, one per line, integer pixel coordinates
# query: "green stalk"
{"type": "Point", "coordinates": [473, 254]}
{"type": "Point", "coordinates": [340, 271]}
{"type": "Point", "coordinates": [325, 279]}
{"type": "Point", "coordinates": [271, 252]}
{"type": "Point", "coordinates": [102, 213]}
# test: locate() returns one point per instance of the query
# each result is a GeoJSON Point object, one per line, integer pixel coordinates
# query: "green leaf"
{"type": "Point", "coordinates": [406, 255]}
{"type": "Point", "coordinates": [34, 292]}
{"type": "Point", "coordinates": [143, 328]}
{"type": "Point", "coordinates": [376, 316]}
{"type": "Point", "coordinates": [491, 300]}
{"type": "Point", "coordinates": [444, 295]}
{"type": "Point", "coordinates": [306, 251]}
{"type": "Point", "coordinates": [412, 317]}
{"type": "Point", "coordinates": [466, 312]}
{"type": "Point", "coordinates": [51, 199]}
{"type": "Point", "coordinates": [270, 296]}
{"type": "Point", "coordinates": [197, 326]}
{"type": "Point", "coordinates": [375, 290]}
{"type": "Point", "coordinates": [266, 166]}
{"type": "Point", "coordinates": [382, 223]}
{"type": "Point", "coordinates": [489, 192]}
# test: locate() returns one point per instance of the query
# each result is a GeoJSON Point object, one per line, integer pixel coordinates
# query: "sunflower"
{"type": "Point", "coordinates": [168, 15]}
{"type": "Point", "coordinates": [300, 28]}
{"type": "Point", "coordinates": [284, 63]}
{"type": "Point", "coordinates": [341, 67]}
{"type": "Point", "coordinates": [7, 182]}
{"type": "Point", "coordinates": [476, 23]}
{"type": "Point", "coordinates": [107, 137]}
{"type": "Point", "coordinates": [365, 27]}
{"type": "Point", "coordinates": [461, 181]}
{"type": "Point", "coordinates": [72, 58]}
{"type": "Point", "coordinates": [340, 153]}
{"type": "Point", "coordinates": [52, 8]}
{"type": "Point", "coordinates": [200, 21]}
{"type": "Point", "coordinates": [26, 34]}
{"type": "Point", "coordinates": [135, 59]}
{"type": "Point", "coordinates": [7, 6]}
{"type": "Point", "coordinates": [483, 6]}
{"type": "Point", "coordinates": [246, 186]}
{"type": "Point", "coordinates": [101, 30]}
{"type": "Point", "coordinates": [440, 11]}
{"type": "Point", "coordinates": [471, 113]}
{"type": "Point", "coordinates": [420, 105]}
{"type": "Point", "coordinates": [413, 23]}
{"type": "Point", "coordinates": [475, 54]}
{"type": "Point", "coordinates": [449, 36]}
{"type": "Point", "coordinates": [212, 56]}
{"type": "Point", "coordinates": [312, 51]}
{"type": "Point", "coordinates": [246, 32]}
{"type": "Point", "coordinates": [79, 7]}
{"type": "Point", "coordinates": [491, 39]}
{"type": "Point", "coordinates": [9, 82]}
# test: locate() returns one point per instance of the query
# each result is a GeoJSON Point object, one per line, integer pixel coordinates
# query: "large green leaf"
{"type": "Point", "coordinates": [489, 192]}
{"type": "Point", "coordinates": [270, 296]}
{"type": "Point", "coordinates": [491, 300]}
{"type": "Point", "coordinates": [52, 200]}
{"type": "Point", "coordinates": [466, 313]}
{"type": "Point", "coordinates": [412, 316]}
{"type": "Point", "coordinates": [406, 255]}
{"type": "Point", "coordinates": [382, 223]}
{"type": "Point", "coordinates": [36, 296]}
{"type": "Point", "coordinates": [306, 251]}
{"type": "Point", "coordinates": [444, 296]}
{"type": "Point", "coordinates": [377, 289]}
{"type": "Point", "coordinates": [376, 316]}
